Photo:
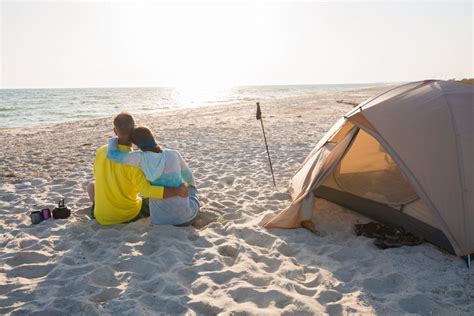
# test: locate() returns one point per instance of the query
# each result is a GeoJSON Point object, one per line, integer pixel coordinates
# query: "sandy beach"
{"type": "Point", "coordinates": [226, 263]}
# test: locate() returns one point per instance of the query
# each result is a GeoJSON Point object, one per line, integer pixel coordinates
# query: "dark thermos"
{"type": "Point", "coordinates": [61, 211]}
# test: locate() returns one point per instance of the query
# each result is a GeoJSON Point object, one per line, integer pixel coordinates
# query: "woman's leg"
{"type": "Point", "coordinates": [193, 204]}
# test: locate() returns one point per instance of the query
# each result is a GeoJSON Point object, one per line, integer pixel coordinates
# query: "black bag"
{"type": "Point", "coordinates": [61, 211]}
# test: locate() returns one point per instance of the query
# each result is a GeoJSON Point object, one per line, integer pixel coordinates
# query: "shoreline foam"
{"type": "Point", "coordinates": [41, 107]}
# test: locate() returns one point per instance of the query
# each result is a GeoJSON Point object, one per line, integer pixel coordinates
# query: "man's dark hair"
{"type": "Point", "coordinates": [124, 123]}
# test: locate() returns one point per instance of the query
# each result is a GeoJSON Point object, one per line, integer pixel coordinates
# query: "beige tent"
{"type": "Point", "coordinates": [404, 157]}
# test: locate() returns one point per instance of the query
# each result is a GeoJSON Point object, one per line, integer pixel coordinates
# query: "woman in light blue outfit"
{"type": "Point", "coordinates": [163, 167]}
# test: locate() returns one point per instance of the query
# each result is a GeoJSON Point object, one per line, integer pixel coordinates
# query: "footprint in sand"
{"type": "Point", "coordinates": [260, 281]}
{"type": "Point", "coordinates": [158, 303]}
{"type": "Point", "coordinates": [10, 197]}
{"type": "Point", "coordinates": [212, 265]}
{"type": "Point", "coordinates": [253, 194]}
{"type": "Point", "coordinates": [107, 294]}
{"type": "Point", "coordinates": [104, 276]}
{"type": "Point", "coordinates": [392, 283]}
{"type": "Point", "coordinates": [255, 238]}
{"type": "Point", "coordinates": [57, 181]}
{"type": "Point", "coordinates": [228, 203]}
{"type": "Point", "coordinates": [171, 290]}
{"type": "Point", "coordinates": [334, 309]}
{"type": "Point", "coordinates": [204, 308]}
{"type": "Point", "coordinates": [271, 264]}
{"type": "Point", "coordinates": [205, 218]}
{"type": "Point", "coordinates": [313, 282]}
{"type": "Point", "coordinates": [108, 234]}
{"type": "Point", "coordinates": [216, 205]}
{"type": "Point", "coordinates": [221, 277]}
{"type": "Point", "coordinates": [287, 250]}
{"type": "Point", "coordinates": [27, 257]}
{"type": "Point", "coordinates": [199, 287]}
{"type": "Point", "coordinates": [344, 274]}
{"type": "Point", "coordinates": [188, 275]}
{"type": "Point", "coordinates": [31, 271]}
{"type": "Point", "coordinates": [75, 286]}
{"type": "Point", "coordinates": [69, 183]}
{"type": "Point", "coordinates": [328, 297]}
{"type": "Point", "coordinates": [304, 291]}
{"type": "Point", "coordinates": [422, 305]}
{"type": "Point", "coordinates": [136, 265]}
{"type": "Point", "coordinates": [229, 180]}
{"type": "Point", "coordinates": [261, 298]}
{"type": "Point", "coordinates": [228, 251]}
{"type": "Point", "coordinates": [37, 182]}
{"type": "Point", "coordinates": [279, 196]}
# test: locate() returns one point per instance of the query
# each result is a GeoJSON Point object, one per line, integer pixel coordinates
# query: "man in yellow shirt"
{"type": "Point", "coordinates": [116, 186]}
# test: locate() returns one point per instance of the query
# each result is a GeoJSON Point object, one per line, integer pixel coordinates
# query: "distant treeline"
{"type": "Point", "coordinates": [465, 80]}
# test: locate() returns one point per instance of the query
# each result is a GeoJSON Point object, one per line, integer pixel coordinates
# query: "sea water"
{"type": "Point", "coordinates": [36, 107]}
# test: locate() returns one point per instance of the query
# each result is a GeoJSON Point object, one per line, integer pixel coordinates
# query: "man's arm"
{"type": "Point", "coordinates": [155, 192]}
{"type": "Point", "coordinates": [125, 158]}
{"type": "Point", "coordinates": [182, 191]}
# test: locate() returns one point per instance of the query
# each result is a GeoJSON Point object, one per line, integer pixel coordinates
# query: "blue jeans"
{"type": "Point", "coordinates": [194, 204]}
{"type": "Point", "coordinates": [175, 211]}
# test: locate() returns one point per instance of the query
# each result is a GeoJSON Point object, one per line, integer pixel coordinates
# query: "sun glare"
{"type": "Point", "coordinates": [195, 94]}
{"type": "Point", "coordinates": [193, 48]}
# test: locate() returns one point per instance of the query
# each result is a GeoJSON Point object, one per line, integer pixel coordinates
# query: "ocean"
{"type": "Point", "coordinates": [36, 107]}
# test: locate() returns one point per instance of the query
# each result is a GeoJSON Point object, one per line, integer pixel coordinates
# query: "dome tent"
{"type": "Point", "coordinates": [404, 157]}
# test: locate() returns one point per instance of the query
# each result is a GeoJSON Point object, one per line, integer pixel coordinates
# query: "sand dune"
{"type": "Point", "coordinates": [227, 264]}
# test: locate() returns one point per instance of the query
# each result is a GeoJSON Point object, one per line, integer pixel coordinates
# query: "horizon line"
{"type": "Point", "coordinates": [220, 87]}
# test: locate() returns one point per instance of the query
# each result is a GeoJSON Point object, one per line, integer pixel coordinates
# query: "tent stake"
{"type": "Point", "coordinates": [468, 261]}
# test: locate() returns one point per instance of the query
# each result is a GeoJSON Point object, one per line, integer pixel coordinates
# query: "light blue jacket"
{"type": "Point", "coordinates": [167, 169]}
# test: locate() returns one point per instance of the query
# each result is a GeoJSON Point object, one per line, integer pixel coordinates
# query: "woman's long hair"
{"type": "Point", "coordinates": [143, 138]}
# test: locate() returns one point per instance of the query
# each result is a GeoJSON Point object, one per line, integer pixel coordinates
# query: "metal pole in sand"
{"type": "Point", "coordinates": [259, 117]}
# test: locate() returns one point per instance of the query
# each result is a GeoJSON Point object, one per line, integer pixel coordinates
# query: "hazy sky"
{"type": "Point", "coordinates": [89, 44]}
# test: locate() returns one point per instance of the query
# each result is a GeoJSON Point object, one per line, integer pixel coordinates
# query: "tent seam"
{"type": "Point", "coordinates": [330, 171]}
{"type": "Point", "coordinates": [360, 106]}
{"type": "Point", "coordinates": [460, 164]}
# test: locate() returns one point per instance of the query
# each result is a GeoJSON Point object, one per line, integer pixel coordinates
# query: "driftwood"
{"type": "Point", "coordinates": [347, 102]}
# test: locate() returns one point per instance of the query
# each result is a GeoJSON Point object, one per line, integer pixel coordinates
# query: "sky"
{"type": "Point", "coordinates": [144, 43]}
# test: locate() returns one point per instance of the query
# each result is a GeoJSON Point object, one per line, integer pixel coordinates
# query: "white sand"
{"type": "Point", "coordinates": [231, 265]}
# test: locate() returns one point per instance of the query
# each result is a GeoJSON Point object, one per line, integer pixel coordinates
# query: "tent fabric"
{"type": "Point", "coordinates": [339, 129]}
{"type": "Point", "coordinates": [416, 208]}
{"type": "Point", "coordinates": [419, 210]}
{"type": "Point", "coordinates": [419, 126]}
{"type": "Point", "coordinates": [368, 171]}
{"type": "Point", "coordinates": [313, 173]}
{"type": "Point", "coordinates": [424, 131]}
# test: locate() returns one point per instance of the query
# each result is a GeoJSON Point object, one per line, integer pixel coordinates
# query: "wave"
{"type": "Point", "coordinates": [26, 107]}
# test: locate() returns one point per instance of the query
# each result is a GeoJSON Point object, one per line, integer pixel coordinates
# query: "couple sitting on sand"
{"type": "Point", "coordinates": [159, 174]}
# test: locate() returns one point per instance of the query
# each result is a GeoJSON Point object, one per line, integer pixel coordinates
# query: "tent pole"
{"type": "Point", "coordinates": [259, 117]}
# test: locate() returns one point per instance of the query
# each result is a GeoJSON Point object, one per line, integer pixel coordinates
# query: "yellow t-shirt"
{"type": "Point", "coordinates": [117, 187]}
